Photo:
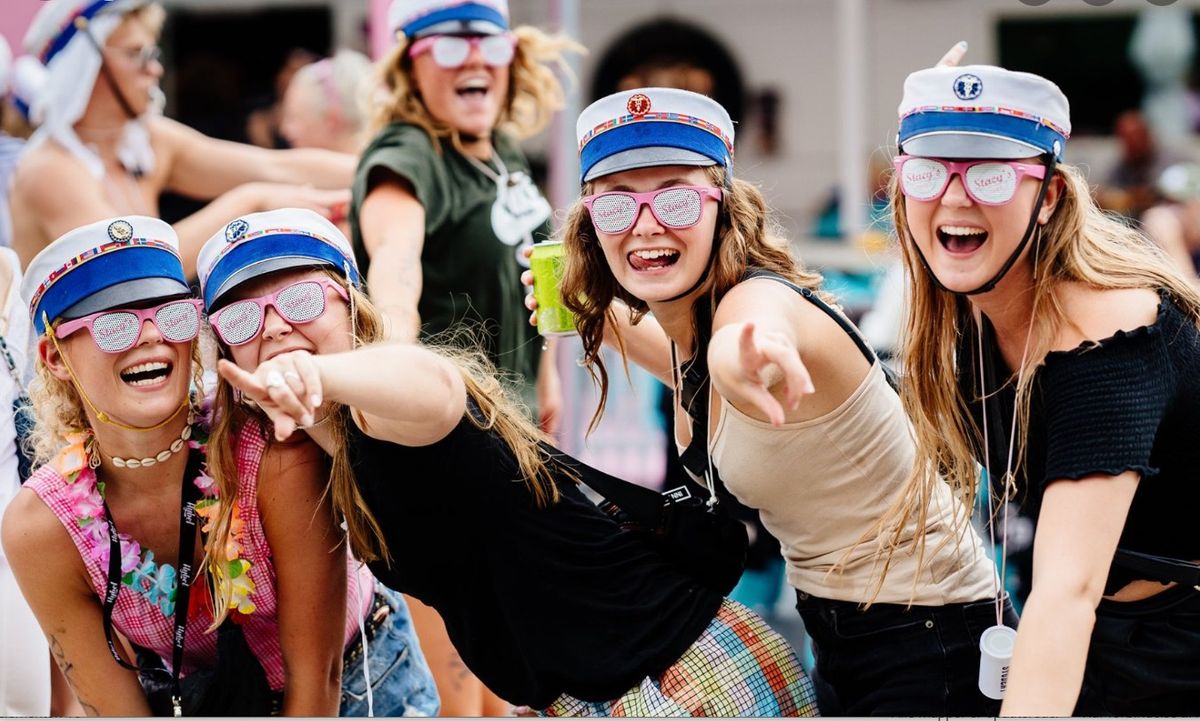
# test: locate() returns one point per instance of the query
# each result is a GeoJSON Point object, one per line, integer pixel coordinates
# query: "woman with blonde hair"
{"type": "Point", "coordinates": [443, 203]}
{"type": "Point", "coordinates": [107, 534]}
{"type": "Point", "coordinates": [671, 259]}
{"type": "Point", "coordinates": [448, 490]}
{"type": "Point", "coordinates": [1058, 348]}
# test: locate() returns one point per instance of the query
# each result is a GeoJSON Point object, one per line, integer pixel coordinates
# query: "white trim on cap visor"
{"type": "Point", "coordinates": [961, 145]}
{"type": "Point", "coordinates": [647, 158]}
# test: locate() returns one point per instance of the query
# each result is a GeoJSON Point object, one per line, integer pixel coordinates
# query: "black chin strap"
{"type": "Point", "coordinates": [1030, 229]}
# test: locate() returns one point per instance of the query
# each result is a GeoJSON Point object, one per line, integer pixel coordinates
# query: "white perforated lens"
{"type": "Point", "coordinates": [613, 212]}
{"type": "Point", "coordinates": [497, 50]}
{"type": "Point", "coordinates": [450, 52]}
{"type": "Point", "coordinates": [678, 207]}
{"type": "Point", "coordinates": [992, 182]}
{"type": "Point", "coordinates": [114, 332]}
{"type": "Point", "coordinates": [922, 179]}
{"type": "Point", "coordinates": [239, 322]}
{"type": "Point", "coordinates": [302, 302]}
{"type": "Point", "coordinates": [178, 322]}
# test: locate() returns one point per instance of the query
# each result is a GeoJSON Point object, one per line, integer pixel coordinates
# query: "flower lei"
{"type": "Point", "coordinates": [140, 572]}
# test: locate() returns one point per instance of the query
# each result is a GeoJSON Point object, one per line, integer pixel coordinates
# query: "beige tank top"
{"type": "Point", "coordinates": [822, 483]}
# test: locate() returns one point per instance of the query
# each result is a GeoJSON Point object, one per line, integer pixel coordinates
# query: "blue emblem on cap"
{"type": "Point", "coordinates": [120, 230]}
{"type": "Point", "coordinates": [967, 86]}
{"type": "Point", "coordinates": [236, 230]}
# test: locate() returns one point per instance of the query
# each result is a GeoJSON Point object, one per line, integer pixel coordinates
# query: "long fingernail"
{"type": "Point", "coordinates": [306, 419]}
{"type": "Point", "coordinates": [315, 399]}
{"type": "Point", "coordinates": [962, 44]}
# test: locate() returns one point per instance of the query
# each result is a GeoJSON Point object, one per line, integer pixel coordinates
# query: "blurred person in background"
{"type": "Point", "coordinates": [264, 123]}
{"type": "Point", "coordinates": [325, 104]}
{"type": "Point", "coordinates": [1174, 223]}
{"type": "Point", "coordinates": [102, 148]}
{"type": "Point", "coordinates": [1129, 186]}
{"type": "Point", "coordinates": [443, 204]}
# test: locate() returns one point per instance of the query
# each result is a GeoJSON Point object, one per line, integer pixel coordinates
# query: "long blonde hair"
{"type": "Point", "coordinates": [1080, 243]}
{"type": "Point", "coordinates": [498, 412]}
{"type": "Point", "coordinates": [534, 91]}
{"type": "Point", "coordinates": [746, 238]}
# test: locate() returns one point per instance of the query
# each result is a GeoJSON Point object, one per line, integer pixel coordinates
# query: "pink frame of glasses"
{"type": "Point", "coordinates": [959, 168]}
{"type": "Point", "coordinates": [426, 43]}
{"type": "Point", "coordinates": [263, 301]}
{"type": "Point", "coordinates": [65, 329]}
{"type": "Point", "coordinates": [647, 199]}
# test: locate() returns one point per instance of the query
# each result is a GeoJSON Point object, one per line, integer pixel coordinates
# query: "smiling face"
{"type": "Point", "coordinates": [650, 260]}
{"type": "Point", "coordinates": [141, 386]}
{"type": "Point", "coordinates": [328, 333]}
{"type": "Point", "coordinates": [966, 243]}
{"type": "Point", "coordinates": [468, 98]}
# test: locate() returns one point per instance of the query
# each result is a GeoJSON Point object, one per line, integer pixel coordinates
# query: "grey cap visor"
{"type": "Point", "coordinates": [263, 267]}
{"type": "Point", "coordinates": [966, 146]}
{"type": "Point", "coordinates": [647, 158]}
{"type": "Point", "coordinates": [124, 295]}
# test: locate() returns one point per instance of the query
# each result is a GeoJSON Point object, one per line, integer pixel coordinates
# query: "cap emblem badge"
{"type": "Point", "coordinates": [968, 87]}
{"type": "Point", "coordinates": [120, 230]}
{"type": "Point", "coordinates": [638, 104]}
{"type": "Point", "coordinates": [236, 230]}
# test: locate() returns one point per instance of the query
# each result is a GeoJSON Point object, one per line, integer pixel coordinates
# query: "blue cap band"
{"type": "Point", "coordinates": [68, 33]}
{"type": "Point", "coordinates": [465, 13]}
{"type": "Point", "coordinates": [104, 271]}
{"type": "Point", "coordinates": [270, 247]}
{"type": "Point", "coordinates": [652, 135]}
{"type": "Point", "coordinates": [1032, 132]}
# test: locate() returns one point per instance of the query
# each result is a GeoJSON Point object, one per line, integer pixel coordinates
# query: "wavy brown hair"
{"type": "Point", "coordinates": [534, 90]}
{"type": "Point", "coordinates": [498, 412]}
{"type": "Point", "coordinates": [1080, 243]}
{"type": "Point", "coordinates": [746, 238]}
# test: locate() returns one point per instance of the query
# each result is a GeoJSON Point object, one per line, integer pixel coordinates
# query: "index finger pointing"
{"type": "Point", "coordinates": [954, 55]}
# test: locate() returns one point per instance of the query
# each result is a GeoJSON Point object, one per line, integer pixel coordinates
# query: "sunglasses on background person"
{"type": "Point", "coordinates": [115, 331]}
{"type": "Point", "coordinates": [676, 207]}
{"type": "Point", "coordinates": [298, 303]}
{"type": "Point", "coordinates": [452, 51]}
{"type": "Point", "coordinates": [987, 182]}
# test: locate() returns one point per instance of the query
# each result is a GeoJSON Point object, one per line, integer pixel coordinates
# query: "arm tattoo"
{"type": "Point", "coordinates": [65, 665]}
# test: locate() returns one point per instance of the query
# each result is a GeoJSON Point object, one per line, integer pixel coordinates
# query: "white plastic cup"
{"type": "Point", "coordinates": [995, 654]}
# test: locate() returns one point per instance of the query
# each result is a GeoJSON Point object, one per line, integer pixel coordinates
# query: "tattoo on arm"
{"type": "Point", "coordinates": [65, 665]}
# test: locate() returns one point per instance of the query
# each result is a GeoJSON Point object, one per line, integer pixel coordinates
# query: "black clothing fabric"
{"type": "Point", "coordinates": [538, 601]}
{"type": "Point", "coordinates": [1128, 402]}
{"type": "Point", "coordinates": [892, 660]}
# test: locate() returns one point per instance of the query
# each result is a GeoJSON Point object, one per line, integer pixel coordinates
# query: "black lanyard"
{"type": "Point", "coordinates": [187, 546]}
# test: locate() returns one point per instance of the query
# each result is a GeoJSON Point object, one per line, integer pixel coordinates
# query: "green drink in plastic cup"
{"type": "Point", "coordinates": [547, 264]}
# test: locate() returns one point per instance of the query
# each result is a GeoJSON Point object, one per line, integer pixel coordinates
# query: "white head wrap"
{"type": "Point", "coordinates": [71, 76]}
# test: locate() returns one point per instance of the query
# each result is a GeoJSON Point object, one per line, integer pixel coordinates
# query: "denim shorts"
{"type": "Point", "coordinates": [401, 682]}
{"type": "Point", "coordinates": [892, 660]}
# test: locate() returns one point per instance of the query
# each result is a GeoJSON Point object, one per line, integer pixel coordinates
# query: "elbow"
{"type": "Point", "coordinates": [1071, 596]}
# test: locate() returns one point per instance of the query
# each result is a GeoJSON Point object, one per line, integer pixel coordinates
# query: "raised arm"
{"type": "Point", "coordinates": [1078, 529]}
{"type": "Point", "coordinates": [37, 194]}
{"type": "Point", "coordinates": [310, 570]}
{"type": "Point", "coordinates": [392, 222]}
{"type": "Point", "coordinates": [204, 167]}
{"type": "Point", "coordinates": [401, 392]}
{"type": "Point", "coordinates": [53, 580]}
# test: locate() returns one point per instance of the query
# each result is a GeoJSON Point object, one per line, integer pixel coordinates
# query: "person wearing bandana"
{"type": "Point", "coordinates": [1057, 348]}
{"type": "Point", "coordinates": [103, 148]}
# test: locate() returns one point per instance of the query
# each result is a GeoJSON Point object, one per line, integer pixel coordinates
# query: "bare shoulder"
{"type": "Point", "coordinates": [1099, 313]}
{"type": "Point", "coordinates": [49, 167]}
{"type": "Point", "coordinates": [35, 540]}
{"type": "Point", "coordinates": [753, 299]}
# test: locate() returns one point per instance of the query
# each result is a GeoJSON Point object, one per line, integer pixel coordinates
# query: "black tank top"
{"type": "Point", "coordinates": [538, 601]}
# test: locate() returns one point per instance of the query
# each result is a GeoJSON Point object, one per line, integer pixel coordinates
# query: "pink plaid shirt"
{"type": "Point", "coordinates": [144, 623]}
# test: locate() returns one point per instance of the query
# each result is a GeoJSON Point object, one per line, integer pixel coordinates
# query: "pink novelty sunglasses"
{"type": "Point", "coordinates": [987, 182]}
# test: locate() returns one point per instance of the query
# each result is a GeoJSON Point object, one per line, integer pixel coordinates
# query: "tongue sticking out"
{"type": "Point", "coordinates": [640, 262]}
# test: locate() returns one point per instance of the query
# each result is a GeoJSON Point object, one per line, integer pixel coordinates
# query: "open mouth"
{"type": "Point", "coordinates": [146, 374]}
{"type": "Point", "coordinates": [961, 239]}
{"type": "Point", "coordinates": [477, 88]}
{"type": "Point", "coordinates": [653, 259]}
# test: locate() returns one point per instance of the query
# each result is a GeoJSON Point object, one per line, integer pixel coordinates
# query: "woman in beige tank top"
{"type": "Point", "coordinates": [802, 423]}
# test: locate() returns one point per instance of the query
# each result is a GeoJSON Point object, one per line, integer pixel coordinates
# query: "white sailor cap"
{"type": "Point", "coordinates": [261, 243]}
{"type": "Point", "coordinates": [58, 22]}
{"type": "Point", "coordinates": [416, 18]}
{"type": "Point", "coordinates": [649, 127]}
{"type": "Point", "coordinates": [108, 264]}
{"type": "Point", "coordinates": [982, 111]}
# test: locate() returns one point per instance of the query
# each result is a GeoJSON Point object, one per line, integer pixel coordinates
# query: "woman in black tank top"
{"type": "Point", "coordinates": [449, 495]}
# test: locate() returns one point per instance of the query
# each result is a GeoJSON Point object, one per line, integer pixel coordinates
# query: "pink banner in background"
{"type": "Point", "coordinates": [379, 38]}
{"type": "Point", "coordinates": [15, 19]}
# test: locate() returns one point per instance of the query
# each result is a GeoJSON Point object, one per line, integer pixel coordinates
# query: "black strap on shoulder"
{"type": "Point", "coordinates": [1159, 568]}
{"type": "Point", "coordinates": [843, 323]}
{"type": "Point", "coordinates": [642, 504]}
{"type": "Point", "coordinates": [188, 526]}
